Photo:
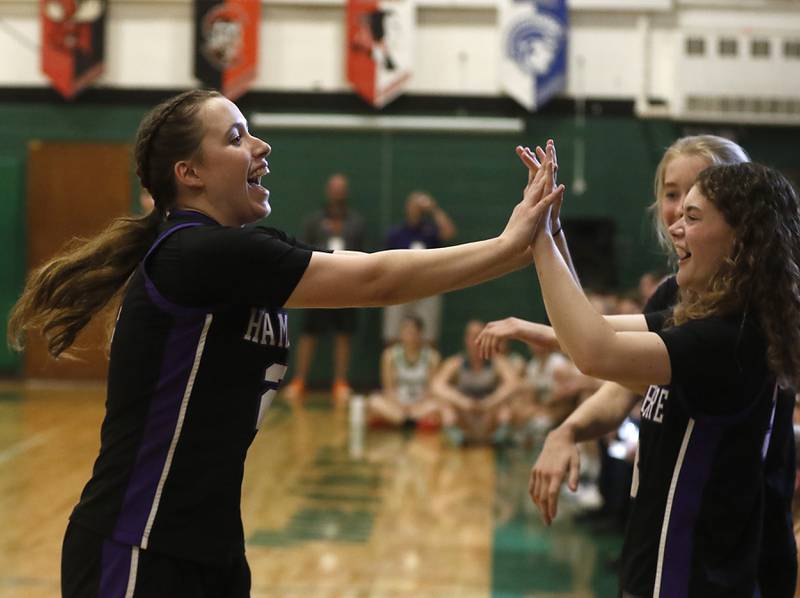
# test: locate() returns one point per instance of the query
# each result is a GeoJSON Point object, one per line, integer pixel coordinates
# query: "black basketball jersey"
{"type": "Point", "coordinates": [199, 349]}
{"type": "Point", "coordinates": [696, 518]}
{"type": "Point", "coordinates": [664, 297]}
{"type": "Point", "coordinates": [778, 553]}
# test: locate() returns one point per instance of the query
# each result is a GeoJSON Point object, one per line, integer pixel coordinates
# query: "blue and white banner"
{"type": "Point", "coordinates": [533, 63]}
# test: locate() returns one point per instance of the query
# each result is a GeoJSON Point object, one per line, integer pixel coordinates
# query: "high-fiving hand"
{"type": "Point", "coordinates": [541, 189]}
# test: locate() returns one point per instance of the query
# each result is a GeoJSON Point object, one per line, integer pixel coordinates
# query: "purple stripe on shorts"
{"type": "Point", "coordinates": [160, 427]}
{"type": "Point", "coordinates": [694, 474]}
{"type": "Point", "coordinates": [115, 570]}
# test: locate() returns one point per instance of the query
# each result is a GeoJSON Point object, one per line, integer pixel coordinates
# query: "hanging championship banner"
{"type": "Point", "coordinates": [533, 63]}
{"type": "Point", "coordinates": [380, 48]}
{"type": "Point", "coordinates": [73, 43]}
{"type": "Point", "coordinates": [226, 44]}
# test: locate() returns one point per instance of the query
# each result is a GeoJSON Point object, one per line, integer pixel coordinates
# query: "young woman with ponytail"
{"type": "Point", "coordinates": [200, 346]}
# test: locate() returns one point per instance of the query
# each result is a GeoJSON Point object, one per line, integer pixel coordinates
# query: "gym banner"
{"type": "Point", "coordinates": [380, 48]}
{"type": "Point", "coordinates": [226, 44]}
{"type": "Point", "coordinates": [73, 43]}
{"type": "Point", "coordinates": [533, 63]}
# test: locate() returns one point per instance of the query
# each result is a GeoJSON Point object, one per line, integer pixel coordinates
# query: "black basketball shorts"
{"type": "Point", "coordinates": [95, 567]}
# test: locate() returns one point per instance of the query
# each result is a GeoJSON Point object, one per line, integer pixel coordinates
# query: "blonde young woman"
{"type": "Point", "coordinates": [201, 345]}
{"type": "Point", "coordinates": [709, 370]}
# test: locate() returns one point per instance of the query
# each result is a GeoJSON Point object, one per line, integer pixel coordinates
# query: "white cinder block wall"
{"type": "Point", "coordinates": [619, 49]}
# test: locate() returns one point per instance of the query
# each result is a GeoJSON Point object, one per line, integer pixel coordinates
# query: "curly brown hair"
{"type": "Point", "coordinates": [762, 276]}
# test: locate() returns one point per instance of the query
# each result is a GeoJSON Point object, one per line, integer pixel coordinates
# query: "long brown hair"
{"type": "Point", "coordinates": [62, 296]}
{"type": "Point", "coordinates": [762, 277]}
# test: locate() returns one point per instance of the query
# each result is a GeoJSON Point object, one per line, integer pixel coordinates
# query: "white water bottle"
{"type": "Point", "coordinates": [358, 406]}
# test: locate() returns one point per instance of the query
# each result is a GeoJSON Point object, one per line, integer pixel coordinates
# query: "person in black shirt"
{"type": "Point", "coordinates": [712, 368]}
{"type": "Point", "coordinates": [336, 226]}
{"type": "Point", "coordinates": [605, 410]}
{"type": "Point", "coordinates": [200, 346]}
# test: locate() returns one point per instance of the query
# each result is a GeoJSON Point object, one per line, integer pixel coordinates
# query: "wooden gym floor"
{"type": "Point", "coordinates": [402, 515]}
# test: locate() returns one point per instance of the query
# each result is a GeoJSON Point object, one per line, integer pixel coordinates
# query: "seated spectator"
{"type": "Point", "coordinates": [546, 398]}
{"type": "Point", "coordinates": [475, 394]}
{"type": "Point", "coordinates": [407, 368]}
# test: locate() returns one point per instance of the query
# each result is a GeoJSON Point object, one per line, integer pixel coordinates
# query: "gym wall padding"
{"type": "Point", "coordinates": [476, 178]}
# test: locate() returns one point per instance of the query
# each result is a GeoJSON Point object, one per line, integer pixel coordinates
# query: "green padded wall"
{"type": "Point", "coordinates": [476, 178]}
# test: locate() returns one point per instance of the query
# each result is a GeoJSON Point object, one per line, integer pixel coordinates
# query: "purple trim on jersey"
{"type": "Point", "coordinates": [168, 306]}
{"type": "Point", "coordinates": [768, 434]}
{"type": "Point", "coordinates": [686, 501]}
{"type": "Point", "coordinates": [162, 418]}
{"type": "Point", "coordinates": [115, 570]}
{"type": "Point", "coordinates": [155, 296]}
{"type": "Point", "coordinates": [166, 234]}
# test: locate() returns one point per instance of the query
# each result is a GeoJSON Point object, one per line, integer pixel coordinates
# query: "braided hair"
{"type": "Point", "coordinates": [167, 134]}
{"type": "Point", "coordinates": [62, 296]}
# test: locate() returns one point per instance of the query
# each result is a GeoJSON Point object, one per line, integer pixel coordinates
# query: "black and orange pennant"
{"type": "Point", "coordinates": [226, 44]}
{"type": "Point", "coordinates": [73, 43]}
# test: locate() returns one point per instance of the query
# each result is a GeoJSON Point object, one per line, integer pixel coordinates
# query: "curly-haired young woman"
{"type": "Point", "coordinates": [709, 371]}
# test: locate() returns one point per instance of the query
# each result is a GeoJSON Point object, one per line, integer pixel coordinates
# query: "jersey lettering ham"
{"type": "Point", "coordinates": [267, 327]}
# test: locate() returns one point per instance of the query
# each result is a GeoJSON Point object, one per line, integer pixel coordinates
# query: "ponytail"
{"type": "Point", "coordinates": [61, 296]}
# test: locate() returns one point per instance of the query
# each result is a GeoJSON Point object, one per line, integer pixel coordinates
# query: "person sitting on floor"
{"type": "Point", "coordinates": [475, 393]}
{"type": "Point", "coordinates": [407, 368]}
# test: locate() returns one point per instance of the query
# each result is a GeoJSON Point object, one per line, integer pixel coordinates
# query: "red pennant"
{"type": "Point", "coordinates": [73, 43]}
{"type": "Point", "coordinates": [379, 48]}
{"type": "Point", "coordinates": [226, 44]}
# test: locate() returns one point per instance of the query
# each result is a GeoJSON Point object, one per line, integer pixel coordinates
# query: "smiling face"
{"type": "Point", "coordinates": [680, 174]}
{"type": "Point", "coordinates": [230, 165]}
{"type": "Point", "coordinates": [703, 240]}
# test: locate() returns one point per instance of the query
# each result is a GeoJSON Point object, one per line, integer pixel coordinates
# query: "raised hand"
{"type": "Point", "coordinates": [550, 153]}
{"type": "Point", "coordinates": [540, 189]}
{"type": "Point", "coordinates": [533, 160]}
{"type": "Point", "coordinates": [528, 215]}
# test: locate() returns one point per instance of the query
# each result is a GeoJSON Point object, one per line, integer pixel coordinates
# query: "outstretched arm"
{"type": "Point", "coordinates": [541, 336]}
{"type": "Point", "coordinates": [596, 348]}
{"type": "Point", "coordinates": [355, 280]}
{"type": "Point", "coordinates": [376, 279]}
{"type": "Point", "coordinates": [549, 153]}
{"type": "Point", "coordinates": [537, 335]}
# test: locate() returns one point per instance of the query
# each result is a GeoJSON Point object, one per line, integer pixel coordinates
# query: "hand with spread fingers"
{"type": "Point", "coordinates": [534, 160]}
{"type": "Point", "coordinates": [541, 187]}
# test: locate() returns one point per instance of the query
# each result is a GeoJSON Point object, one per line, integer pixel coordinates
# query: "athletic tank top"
{"type": "Point", "coordinates": [411, 378]}
{"type": "Point", "coordinates": [477, 384]}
